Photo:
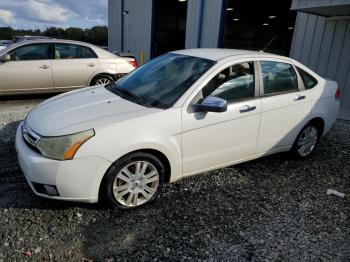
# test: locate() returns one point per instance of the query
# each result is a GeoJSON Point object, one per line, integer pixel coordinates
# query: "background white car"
{"type": "Point", "coordinates": [181, 114]}
{"type": "Point", "coordinates": [54, 65]}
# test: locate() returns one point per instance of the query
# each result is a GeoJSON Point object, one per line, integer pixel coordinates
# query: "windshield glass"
{"type": "Point", "coordinates": [7, 48]}
{"type": "Point", "coordinates": [163, 80]}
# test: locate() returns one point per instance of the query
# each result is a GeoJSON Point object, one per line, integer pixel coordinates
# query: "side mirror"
{"type": "Point", "coordinates": [5, 58]}
{"type": "Point", "coordinates": [211, 104]}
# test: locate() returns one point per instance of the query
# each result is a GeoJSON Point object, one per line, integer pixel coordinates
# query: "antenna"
{"type": "Point", "coordinates": [268, 44]}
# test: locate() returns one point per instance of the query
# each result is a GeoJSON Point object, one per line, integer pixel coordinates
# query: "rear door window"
{"type": "Point", "coordinates": [278, 77]}
{"type": "Point", "coordinates": [71, 51]}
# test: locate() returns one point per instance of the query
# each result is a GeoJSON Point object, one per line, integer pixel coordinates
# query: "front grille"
{"type": "Point", "coordinates": [30, 137]}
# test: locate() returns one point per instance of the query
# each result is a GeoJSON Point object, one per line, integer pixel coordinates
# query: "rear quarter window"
{"type": "Point", "coordinates": [308, 80]}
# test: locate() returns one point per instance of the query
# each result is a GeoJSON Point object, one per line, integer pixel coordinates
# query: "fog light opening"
{"type": "Point", "coordinates": [51, 190]}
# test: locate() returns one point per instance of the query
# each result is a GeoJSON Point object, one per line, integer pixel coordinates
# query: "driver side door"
{"type": "Point", "coordinates": [212, 140]}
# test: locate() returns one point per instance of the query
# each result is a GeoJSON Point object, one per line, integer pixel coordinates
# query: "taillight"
{"type": "Point", "coordinates": [337, 94]}
{"type": "Point", "coordinates": [133, 62]}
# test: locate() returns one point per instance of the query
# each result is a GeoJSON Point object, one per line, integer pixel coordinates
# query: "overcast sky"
{"type": "Point", "coordinates": [40, 14]}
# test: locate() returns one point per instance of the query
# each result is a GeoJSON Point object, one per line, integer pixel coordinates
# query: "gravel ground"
{"type": "Point", "coordinates": [268, 209]}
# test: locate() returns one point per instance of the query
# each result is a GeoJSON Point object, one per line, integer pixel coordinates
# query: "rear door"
{"type": "Point", "coordinates": [286, 106]}
{"type": "Point", "coordinates": [73, 65]}
{"type": "Point", "coordinates": [28, 69]}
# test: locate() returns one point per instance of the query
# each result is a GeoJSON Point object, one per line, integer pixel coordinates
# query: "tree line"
{"type": "Point", "coordinates": [97, 35]}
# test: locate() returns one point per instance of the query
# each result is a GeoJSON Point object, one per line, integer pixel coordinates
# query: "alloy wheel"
{"type": "Point", "coordinates": [307, 141]}
{"type": "Point", "coordinates": [103, 81]}
{"type": "Point", "coordinates": [136, 183]}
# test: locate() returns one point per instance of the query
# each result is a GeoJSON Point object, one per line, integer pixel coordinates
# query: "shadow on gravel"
{"type": "Point", "coordinates": [8, 131]}
{"type": "Point", "coordinates": [27, 97]}
{"type": "Point", "coordinates": [271, 208]}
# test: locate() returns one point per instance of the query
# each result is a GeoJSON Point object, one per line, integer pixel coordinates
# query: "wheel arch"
{"type": "Point", "coordinates": [101, 74]}
{"type": "Point", "coordinates": [319, 123]}
{"type": "Point", "coordinates": [162, 157]}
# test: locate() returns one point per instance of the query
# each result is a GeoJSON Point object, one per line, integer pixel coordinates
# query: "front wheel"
{"type": "Point", "coordinates": [306, 141]}
{"type": "Point", "coordinates": [133, 181]}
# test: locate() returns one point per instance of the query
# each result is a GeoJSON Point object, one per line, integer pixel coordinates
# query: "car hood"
{"type": "Point", "coordinates": [81, 110]}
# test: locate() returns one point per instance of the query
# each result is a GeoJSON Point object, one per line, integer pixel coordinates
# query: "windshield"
{"type": "Point", "coordinates": [163, 80]}
{"type": "Point", "coordinates": [8, 48]}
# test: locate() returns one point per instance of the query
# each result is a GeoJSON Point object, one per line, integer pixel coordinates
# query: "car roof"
{"type": "Point", "coordinates": [32, 36]}
{"type": "Point", "coordinates": [216, 54]}
{"type": "Point", "coordinates": [99, 51]}
{"type": "Point", "coordinates": [54, 40]}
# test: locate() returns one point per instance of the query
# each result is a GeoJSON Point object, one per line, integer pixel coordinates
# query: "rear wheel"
{"type": "Point", "coordinates": [306, 141]}
{"type": "Point", "coordinates": [133, 181]}
{"type": "Point", "coordinates": [102, 79]}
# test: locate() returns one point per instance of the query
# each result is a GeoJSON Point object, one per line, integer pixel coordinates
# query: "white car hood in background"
{"type": "Point", "coordinates": [81, 110]}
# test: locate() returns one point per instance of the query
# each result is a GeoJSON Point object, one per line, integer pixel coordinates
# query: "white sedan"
{"type": "Point", "coordinates": [181, 114]}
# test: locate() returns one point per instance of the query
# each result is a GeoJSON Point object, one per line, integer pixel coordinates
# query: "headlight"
{"type": "Point", "coordinates": [63, 147]}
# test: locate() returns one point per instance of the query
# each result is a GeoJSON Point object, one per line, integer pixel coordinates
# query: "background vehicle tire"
{"type": "Point", "coordinates": [306, 141]}
{"type": "Point", "coordinates": [133, 181]}
{"type": "Point", "coordinates": [102, 79]}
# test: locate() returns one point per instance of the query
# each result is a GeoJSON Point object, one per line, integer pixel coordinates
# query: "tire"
{"type": "Point", "coordinates": [308, 137]}
{"type": "Point", "coordinates": [102, 79]}
{"type": "Point", "coordinates": [123, 187]}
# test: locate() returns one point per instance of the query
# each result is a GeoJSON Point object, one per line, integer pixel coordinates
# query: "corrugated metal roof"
{"type": "Point", "coordinates": [323, 7]}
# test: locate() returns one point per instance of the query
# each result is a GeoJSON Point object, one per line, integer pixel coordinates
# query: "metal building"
{"type": "Point", "coordinates": [132, 24]}
{"type": "Point", "coordinates": [314, 32]}
{"type": "Point", "coordinates": [322, 41]}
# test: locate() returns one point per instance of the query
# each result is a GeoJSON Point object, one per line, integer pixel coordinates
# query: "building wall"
{"type": "Point", "coordinates": [205, 23]}
{"type": "Point", "coordinates": [115, 25]}
{"type": "Point", "coordinates": [138, 27]}
{"type": "Point", "coordinates": [130, 26]}
{"type": "Point", "coordinates": [132, 32]}
{"type": "Point", "coordinates": [324, 45]}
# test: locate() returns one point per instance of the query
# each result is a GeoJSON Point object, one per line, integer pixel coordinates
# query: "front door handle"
{"type": "Point", "coordinates": [44, 67]}
{"type": "Point", "coordinates": [299, 97]}
{"type": "Point", "coordinates": [247, 108]}
{"type": "Point", "coordinates": [91, 64]}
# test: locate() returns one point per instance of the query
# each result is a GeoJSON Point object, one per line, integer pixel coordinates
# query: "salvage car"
{"type": "Point", "coordinates": [53, 65]}
{"type": "Point", "coordinates": [181, 114]}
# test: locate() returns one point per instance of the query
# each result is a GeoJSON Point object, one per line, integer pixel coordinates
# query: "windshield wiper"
{"type": "Point", "coordinates": [113, 87]}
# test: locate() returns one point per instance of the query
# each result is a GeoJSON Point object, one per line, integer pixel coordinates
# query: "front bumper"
{"type": "Point", "coordinates": [75, 180]}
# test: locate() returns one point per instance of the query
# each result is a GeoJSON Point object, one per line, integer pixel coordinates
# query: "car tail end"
{"type": "Point", "coordinates": [331, 103]}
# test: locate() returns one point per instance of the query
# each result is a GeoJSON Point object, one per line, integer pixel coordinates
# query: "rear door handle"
{"type": "Point", "coordinates": [299, 97]}
{"type": "Point", "coordinates": [91, 64]}
{"type": "Point", "coordinates": [247, 108]}
{"type": "Point", "coordinates": [44, 67]}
